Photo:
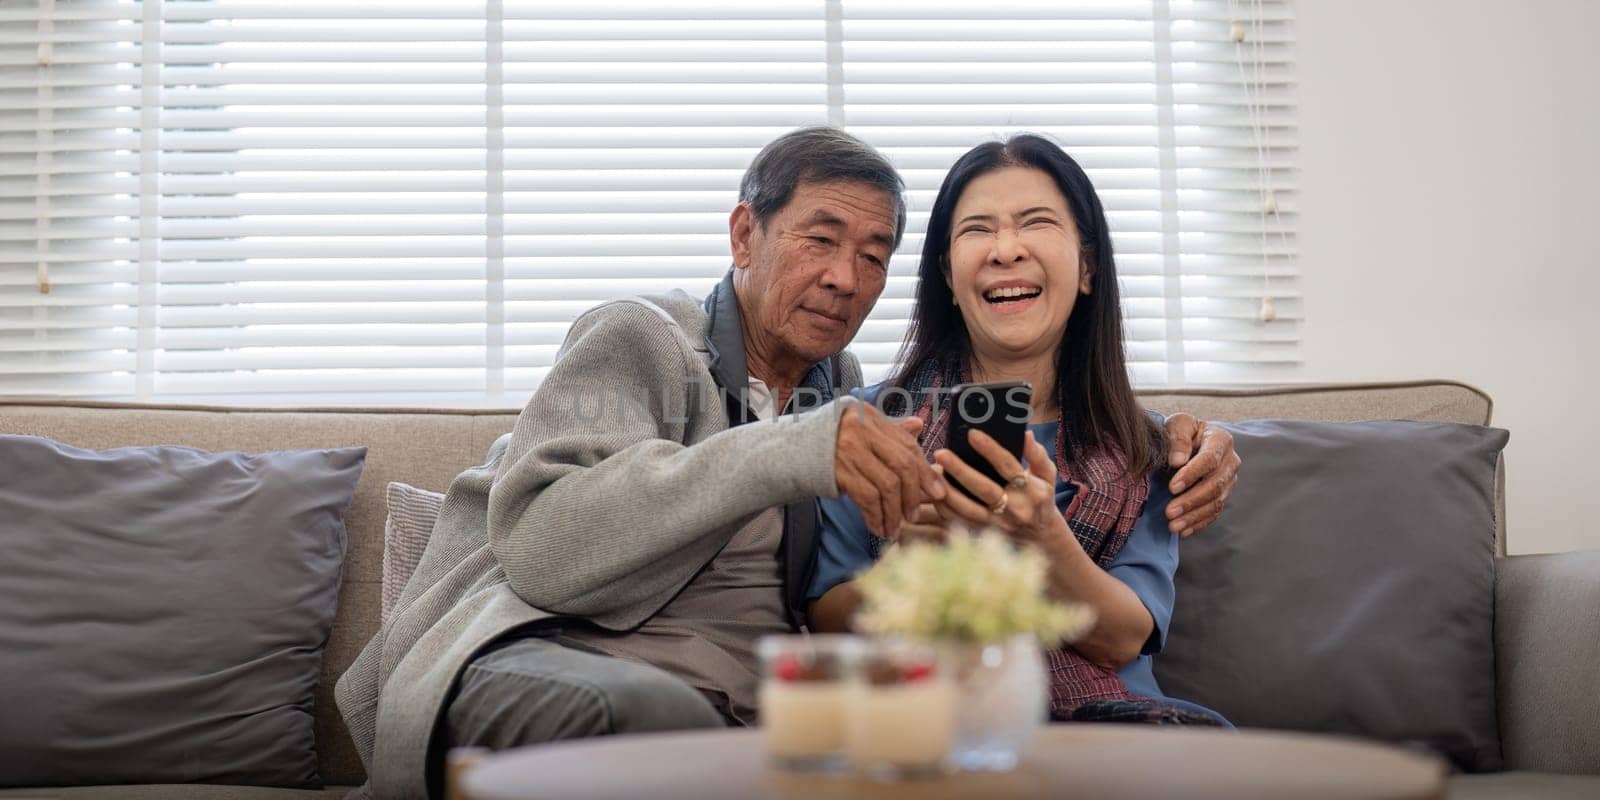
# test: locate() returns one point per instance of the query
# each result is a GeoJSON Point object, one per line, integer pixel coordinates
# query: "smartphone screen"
{"type": "Point", "coordinates": [999, 409]}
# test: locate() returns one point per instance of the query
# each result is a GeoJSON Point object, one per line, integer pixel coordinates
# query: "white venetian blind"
{"type": "Point", "coordinates": [1156, 101]}
{"type": "Point", "coordinates": [627, 127]}
{"type": "Point", "coordinates": [408, 202]}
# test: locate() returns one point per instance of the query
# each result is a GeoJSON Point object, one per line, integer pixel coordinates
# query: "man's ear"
{"type": "Point", "coordinates": [741, 234]}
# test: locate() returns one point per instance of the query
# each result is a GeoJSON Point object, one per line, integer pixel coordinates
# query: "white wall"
{"type": "Point", "coordinates": [1450, 161]}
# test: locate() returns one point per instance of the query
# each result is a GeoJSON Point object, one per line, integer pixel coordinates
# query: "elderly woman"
{"type": "Point", "coordinates": [1018, 282]}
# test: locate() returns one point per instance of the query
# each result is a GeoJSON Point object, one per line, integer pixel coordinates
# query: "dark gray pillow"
{"type": "Point", "coordinates": [1349, 587]}
{"type": "Point", "coordinates": [165, 611]}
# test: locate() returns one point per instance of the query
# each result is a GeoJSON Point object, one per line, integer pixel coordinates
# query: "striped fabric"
{"type": "Point", "coordinates": [412, 512]}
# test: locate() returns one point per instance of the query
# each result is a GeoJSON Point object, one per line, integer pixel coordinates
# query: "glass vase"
{"type": "Point", "coordinates": [1002, 698]}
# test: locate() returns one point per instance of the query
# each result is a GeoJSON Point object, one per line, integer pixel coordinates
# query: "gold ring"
{"type": "Point", "coordinates": [1000, 507]}
{"type": "Point", "coordinates": [1019, 483]}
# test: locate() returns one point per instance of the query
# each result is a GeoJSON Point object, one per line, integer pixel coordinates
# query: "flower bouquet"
{"type": "Point", "coordinates": [981, 601]}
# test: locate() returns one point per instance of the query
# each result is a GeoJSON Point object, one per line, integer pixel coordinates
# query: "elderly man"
{"type": "Point", "coordinates": [610, 567]}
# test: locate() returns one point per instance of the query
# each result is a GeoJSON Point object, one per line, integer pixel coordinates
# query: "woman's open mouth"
{"type": "Point", "coordinates": [1012, 299]}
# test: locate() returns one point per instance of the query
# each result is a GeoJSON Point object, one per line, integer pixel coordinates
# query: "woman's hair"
{"type": "Point", "coordinates": [1098, 406]}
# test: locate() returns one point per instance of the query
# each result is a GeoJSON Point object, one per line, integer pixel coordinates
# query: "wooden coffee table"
{"type": "Point", "coordinates": [1079, 761]}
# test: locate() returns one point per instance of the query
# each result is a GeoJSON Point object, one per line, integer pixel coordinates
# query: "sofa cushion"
{"type": "Point", "coordinates": [1349, 587]}
{"type": "Point", "coordinates": [1547, 643]}
{"type": "Point", "coordinates": [166, 611]}
{"type": "Point", "coordinates": [412, 512]}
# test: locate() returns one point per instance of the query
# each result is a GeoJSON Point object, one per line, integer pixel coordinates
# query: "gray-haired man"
{"type": "Point", "coordinates": [610, 567]}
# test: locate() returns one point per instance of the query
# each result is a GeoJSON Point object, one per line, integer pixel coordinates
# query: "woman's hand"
{"type": "Point", "coordinates": [1025, 508]}
{"type": "Point", "coordinates": [1029, 514]}
{"type": "Point", "coordinates": [925, 524]}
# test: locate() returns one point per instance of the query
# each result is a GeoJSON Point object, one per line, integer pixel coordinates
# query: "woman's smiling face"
{"type": "Point", "coordinates": [1015, 265]}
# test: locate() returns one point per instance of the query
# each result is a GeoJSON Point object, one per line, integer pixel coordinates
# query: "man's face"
{"type": "Point", "coordinates": [808, 278]}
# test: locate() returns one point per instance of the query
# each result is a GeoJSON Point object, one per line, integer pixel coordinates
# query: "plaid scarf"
{"type": "Point", "coordinates": [1101, 515]}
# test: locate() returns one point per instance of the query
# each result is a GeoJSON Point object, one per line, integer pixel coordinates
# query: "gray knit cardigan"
{"type": "Point", "coordinates": [601, 514]}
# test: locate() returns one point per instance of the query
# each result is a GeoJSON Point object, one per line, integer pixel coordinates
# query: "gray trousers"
{"type": "Point", "coordinates": [537, 689]}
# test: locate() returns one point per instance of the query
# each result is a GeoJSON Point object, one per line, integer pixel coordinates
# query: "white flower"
{"type": "Point", "coordinates": [975, 587]}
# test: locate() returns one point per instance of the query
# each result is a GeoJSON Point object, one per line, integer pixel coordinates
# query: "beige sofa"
{"type": "Point", "coordinates": [1547, 616]}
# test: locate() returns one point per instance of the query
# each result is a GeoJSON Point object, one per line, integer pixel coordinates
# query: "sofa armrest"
{"type": "Point", "coordinates": [1547, 661]}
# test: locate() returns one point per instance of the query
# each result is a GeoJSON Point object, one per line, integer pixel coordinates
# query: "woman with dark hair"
{"type": "Point", "coordinates": [1018, 282]}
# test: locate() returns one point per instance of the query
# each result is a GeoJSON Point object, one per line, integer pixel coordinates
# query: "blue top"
{"type": "Point", "coordinates": [1147, 563]}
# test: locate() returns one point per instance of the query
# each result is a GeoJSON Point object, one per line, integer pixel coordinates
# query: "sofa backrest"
{"type": "Point", "coordinates": [427, 448]}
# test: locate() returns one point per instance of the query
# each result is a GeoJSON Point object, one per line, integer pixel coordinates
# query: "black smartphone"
{"type": "Point", "coordinates": [999, 409]}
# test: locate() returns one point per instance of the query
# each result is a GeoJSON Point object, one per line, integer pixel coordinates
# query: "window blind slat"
{"type": "Point", "coordinates": [322, 269]}
{"type": "Point", "coordinates": [375, 12]}
{"type": "Point", "coordinates": [322, 335]}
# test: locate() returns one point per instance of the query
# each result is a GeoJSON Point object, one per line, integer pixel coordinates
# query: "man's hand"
{"type": "Point", "coordinates": [1209, 469]}
{"type": "Point", "coordinates": [878, 464]}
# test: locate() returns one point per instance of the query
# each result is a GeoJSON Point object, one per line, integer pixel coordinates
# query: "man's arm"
{"type": "Point", "coordinates": [603, 511]}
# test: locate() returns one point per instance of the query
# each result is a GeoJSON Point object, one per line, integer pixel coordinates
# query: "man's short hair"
{"type": "Point", "coordinates": [818, 155]}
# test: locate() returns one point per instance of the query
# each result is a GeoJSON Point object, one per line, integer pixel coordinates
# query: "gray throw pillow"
{"type": "Point", "coordinates": [165, 611]}
{"type": "Point", "coordinates": [1349, 587]}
